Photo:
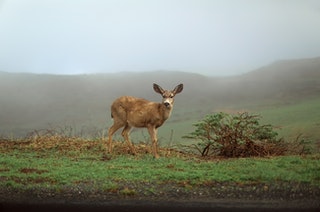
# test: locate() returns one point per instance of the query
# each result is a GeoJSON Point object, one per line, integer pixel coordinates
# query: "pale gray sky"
{"type": "Point", "coordinates": [216, 37]}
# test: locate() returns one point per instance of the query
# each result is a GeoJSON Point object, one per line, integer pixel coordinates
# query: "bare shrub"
{"type": "Point", "coordinates": [238, 135]}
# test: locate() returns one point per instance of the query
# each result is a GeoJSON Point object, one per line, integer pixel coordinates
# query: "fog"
{"type": "Point", "coordinates": [210, 37]}
{"type": "Point", "coordinates": [31, 102]}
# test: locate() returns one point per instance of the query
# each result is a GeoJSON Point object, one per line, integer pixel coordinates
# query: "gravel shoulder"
{"type": "Point", "coordinates": [169, 197]}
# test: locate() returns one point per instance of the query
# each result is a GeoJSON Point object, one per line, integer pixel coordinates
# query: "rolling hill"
{"type": "Point", "coordinates": [80, 103]}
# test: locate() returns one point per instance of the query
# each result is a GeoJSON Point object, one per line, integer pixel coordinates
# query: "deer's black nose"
{"type": "Point", "coordinates": [167, 104]}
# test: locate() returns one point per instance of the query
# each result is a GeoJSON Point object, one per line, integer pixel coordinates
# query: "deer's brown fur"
{"type": "Point", "coordinates": [128, 112]}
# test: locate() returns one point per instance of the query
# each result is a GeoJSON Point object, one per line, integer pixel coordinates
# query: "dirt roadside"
{"type": "Point", "coordinates": [166, 197]}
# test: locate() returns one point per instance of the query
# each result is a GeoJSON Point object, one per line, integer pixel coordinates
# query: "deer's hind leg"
{"type": "Point", "coordinates": [116, 125]}
{"type": "Point", "coordinates": [125, 134]}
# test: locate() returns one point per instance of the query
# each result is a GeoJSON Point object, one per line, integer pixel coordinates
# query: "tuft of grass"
{"type": "Point", "coordinates": [127, 192]}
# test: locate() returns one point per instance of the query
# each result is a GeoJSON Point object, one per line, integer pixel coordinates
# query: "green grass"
{"type": "Point", "coordinates": [290, 121]}
{"type": "Point", "coordinates": [295, 119]}
{"type": "Point", "coordinates": [62, 166]}
{"type": "Point", "coordinates": [20, 169]}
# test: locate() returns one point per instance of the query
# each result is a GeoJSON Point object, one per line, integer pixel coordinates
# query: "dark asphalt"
{"type": "Point", "coordinates": [163, 206]}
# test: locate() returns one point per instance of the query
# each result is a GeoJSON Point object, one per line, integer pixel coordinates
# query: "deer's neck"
{"type": "Point", "coordinates": [164, 111]}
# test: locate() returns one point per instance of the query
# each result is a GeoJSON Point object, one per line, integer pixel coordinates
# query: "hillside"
{"type": "Point", "coordinates": [81, 102]}
{"type": "Point", "coordinates": [287, 80]}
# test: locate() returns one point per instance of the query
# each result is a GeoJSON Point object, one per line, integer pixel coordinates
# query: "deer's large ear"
{"type": "Point", "coordinates": [157, 89]}
{"type": "Point", "coordinates": [177, 89]}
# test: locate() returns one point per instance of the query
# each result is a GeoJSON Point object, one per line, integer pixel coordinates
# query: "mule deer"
{"type": "Point", "coordinates": [128, 112]}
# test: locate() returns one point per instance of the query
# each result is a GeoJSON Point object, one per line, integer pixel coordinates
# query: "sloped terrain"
{"type": "Point", "coordinates": [81, 102]}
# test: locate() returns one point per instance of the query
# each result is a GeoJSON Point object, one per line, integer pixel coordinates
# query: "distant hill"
{"type": "Point", "coordinates": [286, 80]}
{"type": "Point", "coordinates": [37, 101]}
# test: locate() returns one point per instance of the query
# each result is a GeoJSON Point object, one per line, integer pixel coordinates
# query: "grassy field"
{"type": "Point", "coordinates": [56, 163]}
{"type": "Point", "coordinates": [25, 170]}
{"type": "Point", "coordinates": [295, 119]}
{"type": "Point", "coordinates": [290, 120]}
{"type": "Point", "coordinates": [60, 163]}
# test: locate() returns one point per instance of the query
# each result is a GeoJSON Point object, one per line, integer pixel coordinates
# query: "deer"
{"type": "Point", "coordinates": [129, 112]}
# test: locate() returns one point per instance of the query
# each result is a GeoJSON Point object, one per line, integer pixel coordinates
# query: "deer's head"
{"type": "Point", "coordinates": [167, 96]}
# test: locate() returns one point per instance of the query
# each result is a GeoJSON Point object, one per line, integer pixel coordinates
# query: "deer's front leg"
{"type": "Point", "coordinates": [153, 135]}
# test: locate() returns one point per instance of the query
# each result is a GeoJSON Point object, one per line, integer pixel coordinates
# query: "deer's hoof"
{"type": "Point", "coordinates": [106, 157]}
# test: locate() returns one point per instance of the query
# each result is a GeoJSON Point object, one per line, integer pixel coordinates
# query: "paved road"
{"type": "Point", "coordinates": [163, 206]}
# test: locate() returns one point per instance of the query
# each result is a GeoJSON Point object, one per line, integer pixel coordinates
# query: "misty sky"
{"type": "Point", "coordinates": [216, 37]}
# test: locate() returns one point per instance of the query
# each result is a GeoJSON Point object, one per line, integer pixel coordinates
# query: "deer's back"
{"type": "Point", "coordinates": [137, 112]}
{"type": "Point", "coordinates": [129, 103]}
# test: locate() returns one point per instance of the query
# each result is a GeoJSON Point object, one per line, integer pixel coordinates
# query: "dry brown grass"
{"type": "Point", "coordinates": [50, 140]}
{"type": "Point", "coordinates": [57, 143]}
